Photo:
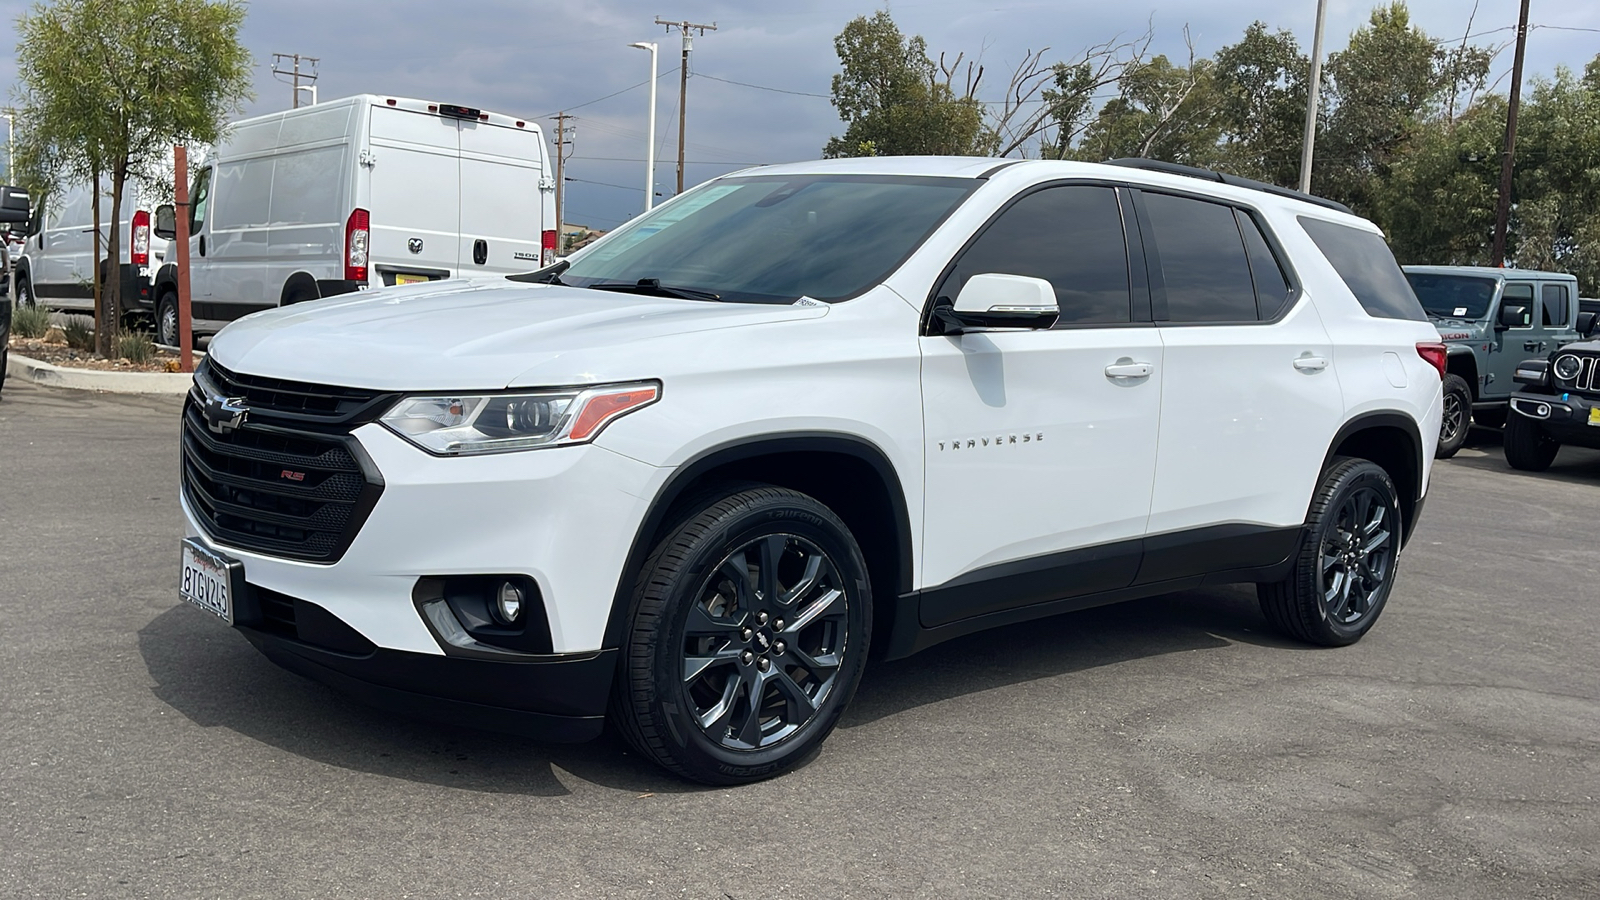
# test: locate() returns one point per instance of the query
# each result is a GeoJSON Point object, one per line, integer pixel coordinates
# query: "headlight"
{"type": "Point", "coordinates": [1567, 367]}
{"type": "Point", "coordinates": [460, 424]}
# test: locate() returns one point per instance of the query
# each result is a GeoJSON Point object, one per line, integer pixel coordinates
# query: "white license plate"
{"type": "Point", "coordinates": [207, 580]}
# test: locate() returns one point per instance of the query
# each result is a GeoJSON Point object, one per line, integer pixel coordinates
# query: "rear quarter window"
{"type": "Point", "coordinates": [1368, 268]}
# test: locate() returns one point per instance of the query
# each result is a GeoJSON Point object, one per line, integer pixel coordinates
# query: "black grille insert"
{"type": "Point", "coordinates": [293, 401]}
{"type": "Point", "coordinates": [276, 490]}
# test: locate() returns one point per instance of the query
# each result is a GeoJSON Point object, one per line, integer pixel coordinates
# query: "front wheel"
{"type": "Point", "coordinates": [750, 630]}
{"type": "Point", "coordinates": [24, 297]}
{"type": "Point", "coordinates": [1457, 418]}
{"type": "Point", "coordinates": [1527, 446]}
{"type": "Point", "coordinates": [167, 319]}
{"type": "Point", "coordinates": [1346, 565]}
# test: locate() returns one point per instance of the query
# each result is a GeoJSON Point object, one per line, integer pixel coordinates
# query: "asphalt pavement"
{"type": "Point", "coordinates": [1171, 747]}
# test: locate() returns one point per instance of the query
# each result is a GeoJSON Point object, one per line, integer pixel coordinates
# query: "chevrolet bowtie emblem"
{"type": "Point", "coordinates": [224, 414]}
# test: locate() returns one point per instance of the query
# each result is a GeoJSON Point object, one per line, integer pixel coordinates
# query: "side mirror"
{"type": "Point", "coordinates": [166, 222]}
{"type": "Point", "coordinates": [1514, 317]}
{"type": "Point", "coordinates": [1586, 323]}
{"type": "Point", "coordinates": [14, 205]}
{"type": "Point", "coordinates": [1000, 301]}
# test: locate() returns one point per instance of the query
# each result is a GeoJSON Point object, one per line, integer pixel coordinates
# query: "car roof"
{"type": "Point", "coordinates": [1489, 272]}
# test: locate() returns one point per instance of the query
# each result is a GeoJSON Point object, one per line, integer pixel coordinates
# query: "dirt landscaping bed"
{"type": "Point", "coordinates": [55, 351]}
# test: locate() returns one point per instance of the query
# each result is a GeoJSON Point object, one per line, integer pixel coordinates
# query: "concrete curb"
{"type": "Point", "coordinates": [94, 380]}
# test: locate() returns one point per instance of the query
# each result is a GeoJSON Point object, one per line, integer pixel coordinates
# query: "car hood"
{"type": "Point", "coordinates": [475, 334]}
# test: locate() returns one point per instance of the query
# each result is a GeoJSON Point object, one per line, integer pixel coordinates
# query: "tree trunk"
{"type": "Point", "coordinates": [112, 315]}
{"type": "Point", "coordinates": [100, 344]}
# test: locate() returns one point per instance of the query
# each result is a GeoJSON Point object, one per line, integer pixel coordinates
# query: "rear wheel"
{"type": "Point", "coordinates": [1345, 568]}
{"type": "Point", "coordinates": [1457, 418]}
{"type": "Point", "coordinates": [749, 634]}
{"type": "Point", "coordinates": [1527, 446]}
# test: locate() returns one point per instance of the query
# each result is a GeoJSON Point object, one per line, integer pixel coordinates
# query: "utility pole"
{"type": "Point", "coordinates": [1313, 99]}
{"type": "Point", "coordinates": [295, 74]}
{"type": "Point", "coordinates": [1502, 208]}
{"type": "Point", "coordinates": [561, 180]}
{"type": "Point", "coordinates": [683, 79]}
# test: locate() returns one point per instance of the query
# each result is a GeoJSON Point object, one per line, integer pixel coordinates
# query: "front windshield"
{"type": "Point", "coordinates": [774, 239]}
{"type": "Point", "coordinates": [1453, 296]}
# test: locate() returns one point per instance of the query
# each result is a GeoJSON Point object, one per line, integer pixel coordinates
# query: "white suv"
{"type": "Point", "coordinates": [687, 478]}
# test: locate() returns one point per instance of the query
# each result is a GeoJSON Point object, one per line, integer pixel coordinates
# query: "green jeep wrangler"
{"type": "Point", "coordinates": [1491, 319]}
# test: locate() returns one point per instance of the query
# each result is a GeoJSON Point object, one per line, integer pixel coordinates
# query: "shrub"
{"type": "Point", "coordinates": [79, 332]}
{"type": "Point", "coordinates": [30, 321]}
{"type": "Point", "coordinates": [135, 347]}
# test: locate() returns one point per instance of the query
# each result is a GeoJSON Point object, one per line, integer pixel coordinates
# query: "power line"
{"type": "Point", "coordinates": [630, 87]}
{"type": "Point", "coordinates": [608, 184]}
{"type": "Point", "coordinates": [761, 87]}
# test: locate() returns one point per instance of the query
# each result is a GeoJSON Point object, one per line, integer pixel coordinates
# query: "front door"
{"type": "Point", "coordinates": [1515, 344]}
{"type": "Point", "coordinates": [1039, 456]}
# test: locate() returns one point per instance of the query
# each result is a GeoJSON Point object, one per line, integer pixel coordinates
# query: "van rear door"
{"type": "Point", "coordinates": [501, 203]}
{"type": "Point", "coordinates": [415, 196]}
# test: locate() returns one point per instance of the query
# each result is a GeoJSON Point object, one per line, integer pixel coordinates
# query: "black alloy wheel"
{"type": "Point", "coordinates": [749, 635]}
{"type": "Point", "coordinates": [1457, 419]}
{"type": "Point", "coordinates": [1344, 571]}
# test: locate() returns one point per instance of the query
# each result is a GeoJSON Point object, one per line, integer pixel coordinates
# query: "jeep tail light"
{"type": "Point", "coordinates": [549, 243]}
{"type": "Point", "coordinates": [139, 239]}
{"type": "Point", "coordinates": [1434, 352]}
{"type": "Point", "coordinates": [357, 238]}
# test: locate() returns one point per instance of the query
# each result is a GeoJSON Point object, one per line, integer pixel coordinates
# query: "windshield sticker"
{"type": "Point", "coordinates": [691, 203]}
{"type": "Point", "coordinates": [1460, 311]}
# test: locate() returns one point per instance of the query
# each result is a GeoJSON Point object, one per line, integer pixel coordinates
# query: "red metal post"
{"type": "Point", "coordinates": [180, 183]}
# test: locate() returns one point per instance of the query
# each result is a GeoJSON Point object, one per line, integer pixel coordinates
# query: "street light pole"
{"type": "Point", "coordinates": [650, 138]}
{"type": "Point", "coordinates": [307, 87]}
{"type": "Point", "coordinates": [1313, 89]}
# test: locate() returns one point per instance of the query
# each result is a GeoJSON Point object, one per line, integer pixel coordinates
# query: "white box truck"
{"type": "Point", "coordinates": [356, 193]}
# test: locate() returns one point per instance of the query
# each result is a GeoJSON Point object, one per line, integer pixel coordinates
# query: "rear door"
{"type": "Point", "coordinates": [501, 204]}
{"type": "Point", "coordinates": [414, 197]}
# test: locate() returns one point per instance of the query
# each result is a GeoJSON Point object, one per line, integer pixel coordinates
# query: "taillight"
{"type": "Point", "coordinates": [139, 243]}
{"type": "Point", "coordinates": [1434, 353]}
{"type": "Point", "coordinates": [549, 241]}
{"type": "Point", "coordinates": [357, 236]}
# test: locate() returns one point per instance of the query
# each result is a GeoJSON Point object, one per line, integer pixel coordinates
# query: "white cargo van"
{"type": "Point", "coordinates": [58, 256]}
{"type": "Point", "coordinates": [364, 191]}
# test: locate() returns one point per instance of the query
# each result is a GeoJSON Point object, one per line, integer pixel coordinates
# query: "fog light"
{"type": "Point", "coordinates": [508, 604]}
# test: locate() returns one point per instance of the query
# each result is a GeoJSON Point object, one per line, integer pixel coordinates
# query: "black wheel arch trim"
{"type": "Point", "coordinates": [1410, 506]}
{"type": "Point", "coordinates": [713, 458]}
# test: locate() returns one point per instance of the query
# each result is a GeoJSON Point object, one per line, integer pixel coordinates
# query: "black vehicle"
{"type": "Point", "coordinates": [1558, 403]}
{"type": "Point", "coordinates": [13, 208]}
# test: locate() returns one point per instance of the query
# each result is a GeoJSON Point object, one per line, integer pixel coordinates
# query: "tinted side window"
{"type": "Point", "coordinates": [1272, 287]}
{"type": "Point", "coordinates": [1520, 294]}
{"type": "Point", "coordinates": [198, 200]}
{"type": "Point", "coordinates": [1070, 237]}
{"type": "Point", "coordinates": [1203, 262]}
{"type": "Point", "coordinates": [1555, 305]}
{"type": "Point", "coordinates": [1363, 260]}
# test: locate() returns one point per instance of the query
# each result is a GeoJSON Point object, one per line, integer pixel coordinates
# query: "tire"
{"type": "Point", "coordinates": [1457, 419]}
{"type": "Point", "coordinates": [1527, 446]}
{"type": "Point", "coordinates": [5, 358]}
{"type": "Point", "coordinates": [24, 294]}
{"type": "Point", "coordinates": [703, 604]}
{"type": "Point", "coordinates": [1355, 522]}
{"type": "Point", "coordinates": [167, 319]}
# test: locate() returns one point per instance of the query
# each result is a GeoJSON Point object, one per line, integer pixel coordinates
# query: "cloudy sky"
{"type": "Point", "coordinates": [534, 58]}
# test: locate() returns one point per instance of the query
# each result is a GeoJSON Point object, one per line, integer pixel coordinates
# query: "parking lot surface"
{"type": "Point", "coordinates": [1170, 747]}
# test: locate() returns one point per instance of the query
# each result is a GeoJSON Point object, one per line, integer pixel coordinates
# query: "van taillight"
{"type": "Point", "coordinates": [549, 243]}
{"type": "Point", "coordinates": [139, 242]}
{"type": "Point", "coordinates": [1434, 353]}
{"type": "Point", "coordinates": [357, 237]}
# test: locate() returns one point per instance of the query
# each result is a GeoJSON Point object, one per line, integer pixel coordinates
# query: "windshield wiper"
{"type": "Point", "coordinates": [548, 275]}
{"type": "Point", "coordinates": [652, 287]}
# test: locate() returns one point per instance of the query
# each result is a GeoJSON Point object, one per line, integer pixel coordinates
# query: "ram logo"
{"type": "Point", "coordinates": [414, 245]}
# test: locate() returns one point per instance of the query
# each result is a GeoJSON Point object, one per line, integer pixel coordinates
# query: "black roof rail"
{"type": "Point", "coordinates": [1156, 165]}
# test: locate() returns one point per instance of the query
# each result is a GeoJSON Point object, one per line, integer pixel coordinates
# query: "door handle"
{"type": "Point", "coordinates": [1311, 363]}
{"type": "Point", "coordinates": [1129, 369]}
{"type": "Point", "coordinates": [202, 245]}
{"type": "Point", "coordinates": [480, 251]}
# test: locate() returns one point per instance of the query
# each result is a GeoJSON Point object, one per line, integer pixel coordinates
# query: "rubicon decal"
{"type": "Point", "coordinates": [1002, 440]}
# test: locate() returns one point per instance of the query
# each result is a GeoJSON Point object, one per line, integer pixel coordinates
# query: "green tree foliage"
{"type": "Point", "coordinates": [1261, 105]}
{"type": "Point", "coordinates": [1163, 111]}
{"type": "Point", "coordinates": [892, 99]}
{"type": "Point", "coordinates": [107, 87]}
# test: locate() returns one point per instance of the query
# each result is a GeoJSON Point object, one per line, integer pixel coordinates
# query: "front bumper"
{"type": "Point", "coordinates": [1566, 417]}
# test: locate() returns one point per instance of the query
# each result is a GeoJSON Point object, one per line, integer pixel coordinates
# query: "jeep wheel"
{"type": "Point", "coordinates": [1346, 564]}
{"type": "Point", "coordinates": [167, 319]}
{"type": "Point", "coordinates": [749, 634]}
{"type": "Point", "coordinates": [1527, 446]}
{"type": "Point", "coordinates": [1457, 419]}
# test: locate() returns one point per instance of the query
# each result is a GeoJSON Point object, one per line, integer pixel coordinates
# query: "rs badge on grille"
{"type": "Point", "coordinates": [225, 414]}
